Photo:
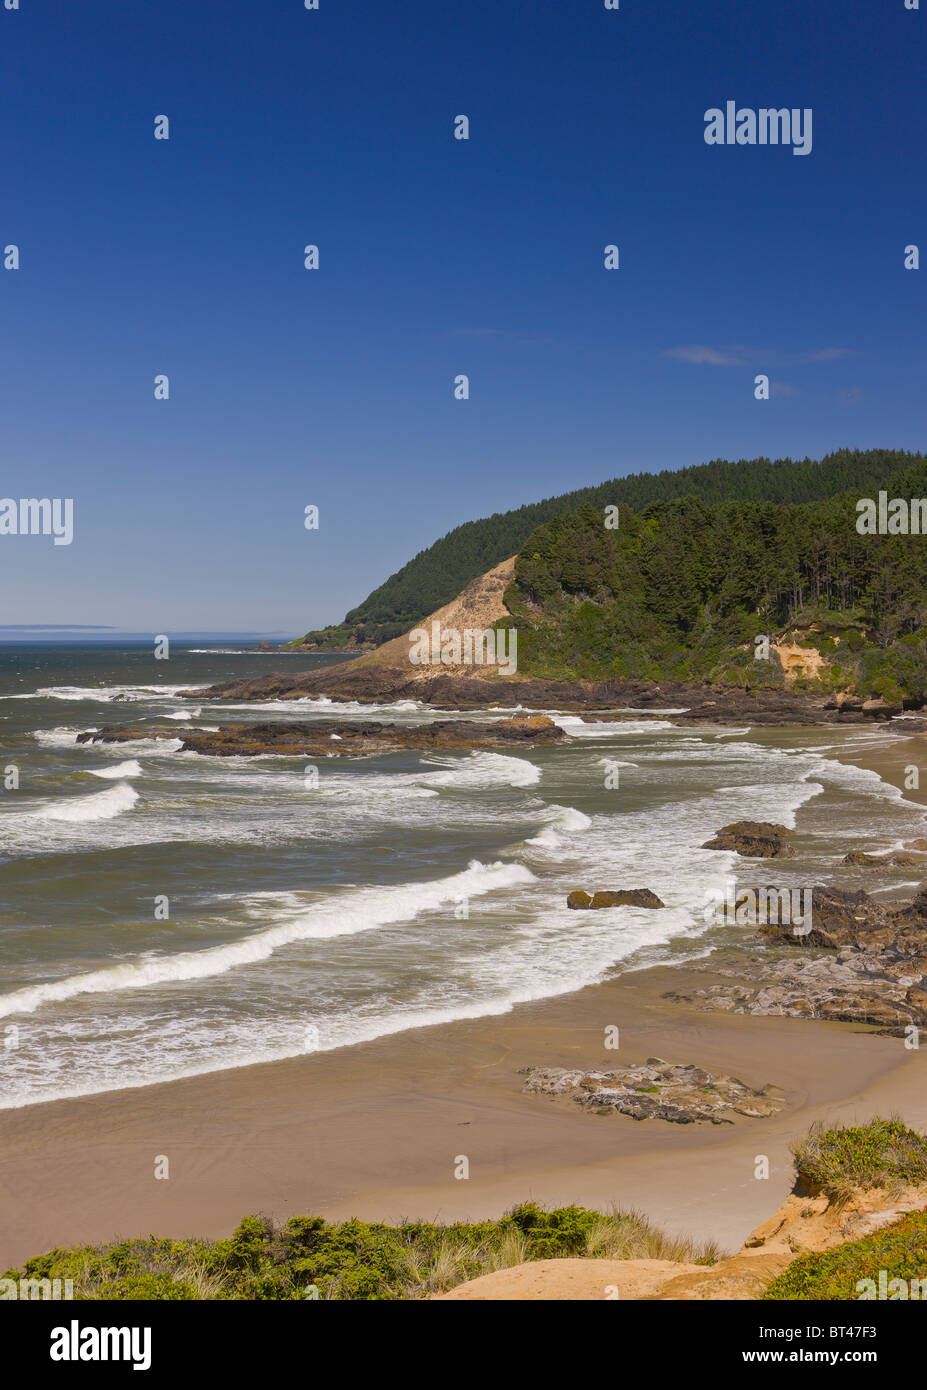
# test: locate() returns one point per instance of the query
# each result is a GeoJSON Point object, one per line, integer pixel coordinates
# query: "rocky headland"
{"type": "Point", "coordinates": [370, 681]}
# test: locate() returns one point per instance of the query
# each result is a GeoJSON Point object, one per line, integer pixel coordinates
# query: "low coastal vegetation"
{"type": "Point", "coordinates": [870, 1177]}
{"type": "Point", "coordinates": [882, 1153]}
{"type": "Point", "coordinates": [852, 1271]}
{"type": "Point", "coordinates": [310, 1258]}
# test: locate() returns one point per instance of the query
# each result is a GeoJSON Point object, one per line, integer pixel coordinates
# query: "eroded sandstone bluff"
{"type": "Point", "coordinates": [336, 738]}
{"type": "Point", "coordinates": [367, 681]}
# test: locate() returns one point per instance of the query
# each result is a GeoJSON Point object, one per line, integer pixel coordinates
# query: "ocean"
{"type": "Point", "coordinates": [165, 914]}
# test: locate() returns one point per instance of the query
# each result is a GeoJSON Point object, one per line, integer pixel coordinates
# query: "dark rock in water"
{"type": "Point", "coordinates": [325, 738]}
{"type": "Point", "coordinates": [837, 919]}
{"type": "Point", "coordinates": [658, 1090]}
{"type": "Point", "coordinates": [366, 679]}
{"type": "Point", "coordinates": [758, 839]}
{"type": "Point", "coordinates": [859, 859]}
{"type": "Point", "coordinates": [627, 897]}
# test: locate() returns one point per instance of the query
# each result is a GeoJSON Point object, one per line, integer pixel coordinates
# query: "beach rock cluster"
{"type": "Point", "coordinates": [862, 962]}
{"type": "Point", "coordinates": [657, 1090]}
{"type": "Point", "coordinates": [333, 738]}
{"type": "Point", "coordinates": [625, 897]}
{"type": "Point", "coordinates": [757, 839]}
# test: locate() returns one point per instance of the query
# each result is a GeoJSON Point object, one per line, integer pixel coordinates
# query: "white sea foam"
{"type": "Point", "coordinates": [127, 769]}
{"type": "Point", "coordinates": [80, 809]}
{"type": "Point", "coordinates": [565, 820]}
{"type": "Point", "coordinates": [340, 914]}
{"type": "Point", "coordinates": [160, 1015]}
{"type": "Point", "coordinates": [58, 738]}
{"type": "Point", "coordinates": [483, 770]}
{"type": "Point", "coordinates": [105, 693]}
{"type": "Point", "coordinates": [575, 727]}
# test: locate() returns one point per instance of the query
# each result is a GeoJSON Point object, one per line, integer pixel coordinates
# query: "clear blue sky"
{"type": "Point", "coordinates": [438, 257]}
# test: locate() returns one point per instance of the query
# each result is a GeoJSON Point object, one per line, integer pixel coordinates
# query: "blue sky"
{"type": "Point", "coordinates": [335, 387]}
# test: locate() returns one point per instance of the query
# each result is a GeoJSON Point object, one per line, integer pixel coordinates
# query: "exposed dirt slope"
{"type": "Point", "coordinates": [800, 1224]}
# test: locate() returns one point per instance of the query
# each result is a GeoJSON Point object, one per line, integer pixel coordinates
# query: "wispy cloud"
{"type": "Point", "coordinates": [831, 354]}
{"type": "Point", "coordinates": [702, 354]}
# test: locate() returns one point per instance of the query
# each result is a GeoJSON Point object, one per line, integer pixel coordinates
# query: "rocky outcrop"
{"type": "Point", "coordinates": [325, 738]}
{"type": "Point", "coordinates": [756, 839]}
{"type": "Point", "coordinates": [367, 680]}
{"type": "Point", "coordinates": [657, 1090]}
{"type": "Point", "coordinates": [857, 858]}
{"type": "Point", "coordinates": [626, 897]}
{"type": "Point", "coordinates": [861, 962]}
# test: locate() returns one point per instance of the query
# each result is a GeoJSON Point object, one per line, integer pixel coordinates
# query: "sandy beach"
{"type": "Point", "coordinates": [375, 1130]}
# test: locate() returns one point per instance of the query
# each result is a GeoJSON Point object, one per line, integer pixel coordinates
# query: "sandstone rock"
{"type": "Point", "coordinates": [624, 897]}
{"type": "Point", "coordinates": [628, 897]}
{"type": "Point", "coordinates": [757, 839]}
{"type": "Point", "coordinates": [882, 709]}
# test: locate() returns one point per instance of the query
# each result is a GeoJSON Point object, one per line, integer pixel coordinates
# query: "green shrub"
{"type": "Point", "coordinates": [308, 1257]}
{"type": "Point", "coordinates": [900, 1250]}
{"type": "Point", "coordinates": [878, 1154]}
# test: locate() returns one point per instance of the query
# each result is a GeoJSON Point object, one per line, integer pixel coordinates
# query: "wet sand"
{"type": "Point", "coordinates": [377, 1130]}
{"type": "Point", "coordinates": [892, 756]}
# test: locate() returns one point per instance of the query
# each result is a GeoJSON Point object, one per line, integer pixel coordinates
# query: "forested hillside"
{"type": "Point", "coordinates": [682, 589]}
{"type": "Point", "coordinates": [437, 575]}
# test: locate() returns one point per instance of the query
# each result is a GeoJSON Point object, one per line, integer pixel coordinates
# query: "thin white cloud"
{"type": "Point", "coordinates": [700, 354]}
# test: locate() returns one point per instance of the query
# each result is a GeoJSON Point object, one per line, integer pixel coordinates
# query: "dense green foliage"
{"type": "Point", "coordinates": [309, 1258]}
{"type": "Point", "coordinates": [883, 1154]}
{"type": "Point", "coordinates": [873, 1155]}
{"type": "Point", "coordinates": [438, 574]}
{"type": "Point", "coordinates": [900, 1250]}
{"type": "Point", "coordinates": [681, 589]}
